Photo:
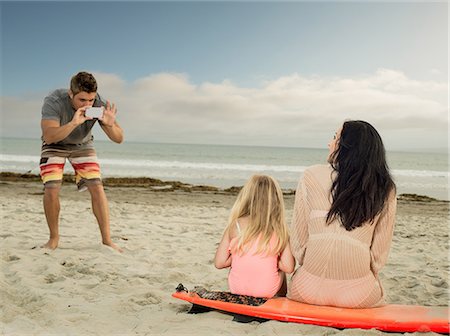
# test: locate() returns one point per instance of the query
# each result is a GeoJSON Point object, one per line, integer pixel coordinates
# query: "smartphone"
{"type": "Point", "coordinates": [94, 112]}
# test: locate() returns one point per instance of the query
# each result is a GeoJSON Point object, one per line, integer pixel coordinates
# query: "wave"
{"type": "Point", "coordinates": [208, 166]}
{"type": "Point", "coordinates": [204, 165]}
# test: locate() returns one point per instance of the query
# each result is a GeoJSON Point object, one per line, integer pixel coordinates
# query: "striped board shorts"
{"type": "Point", "coordinates": [82, 158]}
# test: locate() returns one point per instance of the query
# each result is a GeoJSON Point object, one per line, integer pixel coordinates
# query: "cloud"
{"type": "Point", "coordinates": [288, 111]}
{"type": "Point", "coordinates": [435, 72]}
{"type": "Point", "coordinates": [21, 116]}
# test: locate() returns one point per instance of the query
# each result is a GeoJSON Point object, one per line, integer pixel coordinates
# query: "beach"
{"type": "Point", "coordinates": [169, 236]}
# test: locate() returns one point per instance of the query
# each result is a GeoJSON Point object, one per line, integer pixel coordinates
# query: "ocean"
{"type": "Point", "coordinates": [225, 166]}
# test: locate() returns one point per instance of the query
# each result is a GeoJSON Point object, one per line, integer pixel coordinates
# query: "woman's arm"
{"type": "Point", "coordinates": [382, 236]}
{"type": "Point", "coordinates": [286, 263]}
{"type": "Point", "coordinates": [299, 226]}
{"type": "Point", "coordinates": [223, 256]}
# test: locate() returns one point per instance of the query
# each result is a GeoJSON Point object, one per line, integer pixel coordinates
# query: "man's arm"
{"type": "Point", "coordinates": [53, 132]}
{"type": "Point", "coordinates": [114, 132]}
{"type": "Point", "coordinates": [109, 124]}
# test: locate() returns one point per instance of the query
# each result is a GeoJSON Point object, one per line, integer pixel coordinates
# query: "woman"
{"type": "Point", "coordinates": [343, 222]}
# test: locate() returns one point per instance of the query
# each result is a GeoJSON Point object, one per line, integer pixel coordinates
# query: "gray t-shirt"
{"type": "Point", "coordinates": [57, 106]}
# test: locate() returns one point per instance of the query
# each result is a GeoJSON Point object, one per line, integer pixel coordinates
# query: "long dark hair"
{"type": "Point", "coordinates": [363, 181]}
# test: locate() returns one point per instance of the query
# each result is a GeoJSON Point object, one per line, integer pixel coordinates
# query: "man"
{"type": "Point", "coordinates": [66, 134]}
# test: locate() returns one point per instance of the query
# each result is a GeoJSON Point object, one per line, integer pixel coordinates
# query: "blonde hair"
{"type": "Point", "coordinates": [261, 200]}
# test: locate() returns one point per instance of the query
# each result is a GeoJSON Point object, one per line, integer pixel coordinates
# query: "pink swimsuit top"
{"type": "Point", "coordinates": [251, 273]}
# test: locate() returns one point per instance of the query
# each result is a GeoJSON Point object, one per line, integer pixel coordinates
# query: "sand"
{"type": "Point", "coordinates": [168, 237]}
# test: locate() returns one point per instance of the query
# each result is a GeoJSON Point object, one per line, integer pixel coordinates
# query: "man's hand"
{"type": "Point", "coordinates": [79, 117]}
{"type": "Point", "coordinates": [109, 114]}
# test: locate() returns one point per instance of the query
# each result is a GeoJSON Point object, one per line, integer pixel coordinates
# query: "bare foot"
{"type": "Point", "coordinates": [51, 244]}
{"type": "Point", "coordinates": [114, 246]}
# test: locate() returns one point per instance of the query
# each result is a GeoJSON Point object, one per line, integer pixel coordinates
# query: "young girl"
{"type": "Point", "coordinates": [256, 242]}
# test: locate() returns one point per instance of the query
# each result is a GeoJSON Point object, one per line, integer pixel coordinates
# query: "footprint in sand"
{"type": "Point", "coordinates": [441, 283]}
{"type": "Point", "coordinates": [51, 278]}
{"type": "Point", "coordinates": [146, 299]}
{"type": "Point", "coordinates": [9, 258]}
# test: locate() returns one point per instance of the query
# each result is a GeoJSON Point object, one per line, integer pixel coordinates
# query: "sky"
{"type": "Point", "coordinates": [244, 73]}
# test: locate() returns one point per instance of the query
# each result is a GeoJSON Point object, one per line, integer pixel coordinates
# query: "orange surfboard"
{"type": "Point", "coordinates": [394, 318]}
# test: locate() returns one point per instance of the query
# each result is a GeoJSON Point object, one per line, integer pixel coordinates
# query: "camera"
{"type": "Point", "coordinates": [94, 112]}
